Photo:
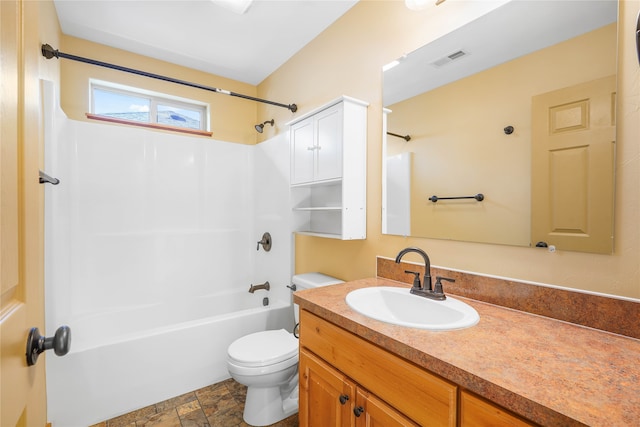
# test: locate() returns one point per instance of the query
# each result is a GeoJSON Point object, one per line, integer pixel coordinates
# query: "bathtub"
{"type": "Point", "coordinates": [125, 359]}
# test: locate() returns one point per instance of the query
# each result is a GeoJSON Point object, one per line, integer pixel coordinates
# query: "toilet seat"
{"type": "Point", "coordinates": [263, 349]}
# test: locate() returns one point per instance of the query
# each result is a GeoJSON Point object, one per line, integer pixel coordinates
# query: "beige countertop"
{"type": "Point", "coordinates": [551, 372]}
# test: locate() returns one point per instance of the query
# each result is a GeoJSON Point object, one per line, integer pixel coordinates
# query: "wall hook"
{"type": "Point", "coordinates": [43, 178]}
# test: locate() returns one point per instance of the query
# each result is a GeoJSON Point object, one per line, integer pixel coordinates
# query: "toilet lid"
{"type": "Point", "coordinates": [264, 348]}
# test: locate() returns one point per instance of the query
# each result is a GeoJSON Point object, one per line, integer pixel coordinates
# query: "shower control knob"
{"type": "Point", "coordinates": [36, 343]}
{"type": "Point", "coordinates": [265, 242]}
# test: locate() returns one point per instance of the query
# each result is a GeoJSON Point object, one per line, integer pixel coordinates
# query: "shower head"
{"type": "Point", "coordinates": [260, 127]}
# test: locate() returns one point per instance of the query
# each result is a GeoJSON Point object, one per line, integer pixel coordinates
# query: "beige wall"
{"type": "Point", "coordinates": [48, 31]}
{"type": "Point", "coordinates": [232, 118]}
{"type": "Point", "coordinates": [460, 148]}
{"type": "Point", "coordinates": [347, 58]}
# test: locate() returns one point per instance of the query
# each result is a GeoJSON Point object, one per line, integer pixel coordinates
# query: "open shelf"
{"type": "Point", "coordinates": [320, 208]}
{"type": "Point", "coordinates": [316, 234]}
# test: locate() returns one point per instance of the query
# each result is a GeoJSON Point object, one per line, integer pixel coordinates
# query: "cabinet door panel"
{"type": "Point", "coordinates": [476, 412]}
{"type": "Point", "coordinates": [378, 414]}
{"type": "Point", "coordinates": [329, 143]}
{"type": "Point", "coordinates": [302, 152]}
{"type": "Point", "coordinates": [320, 390]}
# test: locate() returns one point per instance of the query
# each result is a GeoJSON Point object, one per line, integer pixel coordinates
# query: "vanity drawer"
{"type": "Point", "coordinates": [477, 412]}
{"type": "Point", "coordinates": [418, 394]}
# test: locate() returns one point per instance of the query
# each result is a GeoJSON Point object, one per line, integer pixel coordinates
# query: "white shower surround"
{"type": "Point", "coordinates": [147, 219]}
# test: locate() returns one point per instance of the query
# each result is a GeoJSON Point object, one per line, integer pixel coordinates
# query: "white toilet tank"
{"type": "Point", "coordinates": [309, 281]}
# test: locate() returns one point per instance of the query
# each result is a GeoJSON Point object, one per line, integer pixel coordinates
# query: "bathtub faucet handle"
{"type": "Point", "coordinates": [265, 242]}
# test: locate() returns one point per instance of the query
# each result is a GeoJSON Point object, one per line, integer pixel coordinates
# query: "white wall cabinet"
{"type": "Point", "coordinates": [328, 170]}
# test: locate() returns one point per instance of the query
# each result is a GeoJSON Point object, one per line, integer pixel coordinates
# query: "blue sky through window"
{"type": "Point", "coordinates": [195, 115]}
{"type": "Point", "coordinates": [129, 105]}
{"type": "Point", "coordinates": [106, 102]}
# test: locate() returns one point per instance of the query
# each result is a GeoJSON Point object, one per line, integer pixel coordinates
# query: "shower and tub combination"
{"type": "Point", "coordinates": [150, 245]}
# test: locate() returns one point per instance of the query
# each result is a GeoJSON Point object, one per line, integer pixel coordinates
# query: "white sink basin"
{"type": "Point", "coordinates": [399, 307]}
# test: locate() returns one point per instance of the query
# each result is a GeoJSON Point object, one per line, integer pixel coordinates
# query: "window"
{"type": "Point", "coordinates": [136, 105]}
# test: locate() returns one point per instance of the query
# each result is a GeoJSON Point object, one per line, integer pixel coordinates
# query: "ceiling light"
{"type": "Point", "coordinates": [236, 6]}
{"type": "Point", "coordinates": [393, 63]}
{"type": "Point", "coordinates": [421, 4]}
{"type": "Point", "coordinates": [390, 65]}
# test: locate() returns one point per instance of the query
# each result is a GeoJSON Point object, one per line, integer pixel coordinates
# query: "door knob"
{"type": "Point", "coordinates": [358, 411]}
{"type": "Point", "coordinates": [36, 343]}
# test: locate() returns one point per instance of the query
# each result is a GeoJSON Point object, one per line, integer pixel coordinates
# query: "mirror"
{"type": "Point", "coordinates": [515, 112]}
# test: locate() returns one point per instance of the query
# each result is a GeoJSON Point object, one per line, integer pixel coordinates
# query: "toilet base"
{"type": "Point", "coordinates": [265, 405]}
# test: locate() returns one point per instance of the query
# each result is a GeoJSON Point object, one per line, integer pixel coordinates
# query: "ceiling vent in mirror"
{"type": "Point", "coordinates": [449, 58]}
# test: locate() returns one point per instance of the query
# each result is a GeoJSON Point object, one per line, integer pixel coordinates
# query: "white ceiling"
{"type": "Point", "coordinates": [493, 39]}
{"type": "Point", "coordinates": [201, 34]}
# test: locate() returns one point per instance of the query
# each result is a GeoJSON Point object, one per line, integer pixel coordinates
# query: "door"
{"type": "Point", "coordinates": [572, 178]}
{"type": "Point", "coordinates": [22, 395]}
{"type": "Point", "coordinates": [302, 151]}
{"type": "Point", "coordinates": [373, 412]}
{"type": "Point", "coordinates": [316, 146]}
{"type": "Point", "coordinates": [476, 412]}
{"type": "Point", "coordinates": [329, 129]}
{"type": "Point", "coordinates": [327, 398]}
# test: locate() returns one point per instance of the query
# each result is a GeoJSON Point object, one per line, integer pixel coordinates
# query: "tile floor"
{"type": "Point", "coordinates": [218, 405]}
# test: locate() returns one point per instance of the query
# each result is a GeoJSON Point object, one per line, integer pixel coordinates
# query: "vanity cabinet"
{"type": "Point", "coordinates": [341, 373]}
{"type": "Point", "coordinates": [477, 412]}
{"type": "Point", "coordinates": [329, 398]}
{"type": "Point", "coordinates": [328, 170]}
{"type": "Point", "coordinates": [389, 390]}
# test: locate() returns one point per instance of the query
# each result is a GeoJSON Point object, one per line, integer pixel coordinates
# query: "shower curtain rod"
{"type": "Point", "coordinates": [49, 52]}
{"type": "Point", "coordinates": [405, 137]}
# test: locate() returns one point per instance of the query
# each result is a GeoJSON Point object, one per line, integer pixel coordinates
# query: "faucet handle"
{"type": "Point", "coordinates": [437, 289]}
{"type": "Point", "coordinates": [265, 242]}
{"type": "Point", "coordinates": [416, 279]}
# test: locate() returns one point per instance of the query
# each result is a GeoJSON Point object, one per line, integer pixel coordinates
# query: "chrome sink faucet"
{"type": "Point", "coordinates": [426, 289]}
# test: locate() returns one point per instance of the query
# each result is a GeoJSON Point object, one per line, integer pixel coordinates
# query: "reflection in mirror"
{"type": "Point", "coordinates": [519, 110]}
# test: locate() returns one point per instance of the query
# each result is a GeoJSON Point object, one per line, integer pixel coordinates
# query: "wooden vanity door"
{"type": "Point", "coordinates": [573, 139]}
{"type": "Point", "coordinates": [376, 413]}
{"type": "Point", "coordinates": [477, 412]}
{"type": "Point", "coordinates": [327, 397]}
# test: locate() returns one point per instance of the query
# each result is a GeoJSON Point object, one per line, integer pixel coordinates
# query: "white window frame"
{"type": "Point", "coordinates": [155, 99]}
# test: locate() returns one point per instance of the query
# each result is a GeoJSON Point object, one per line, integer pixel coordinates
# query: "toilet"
{"type": "Point", "coordinates": [267, 363]}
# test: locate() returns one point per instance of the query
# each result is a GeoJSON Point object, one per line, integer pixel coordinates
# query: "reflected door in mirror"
{"type": "Point", "coordinates": [572, 175]}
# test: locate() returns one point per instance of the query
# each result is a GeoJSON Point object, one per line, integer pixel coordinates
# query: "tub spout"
{"type": "Point", "coordinates": [264, 286]}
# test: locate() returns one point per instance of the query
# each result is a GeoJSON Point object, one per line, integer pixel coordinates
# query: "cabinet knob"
{"type": "Point", "coordinates": [358, 411]}
{"type": "Point", "coordinates": [344, 398]}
